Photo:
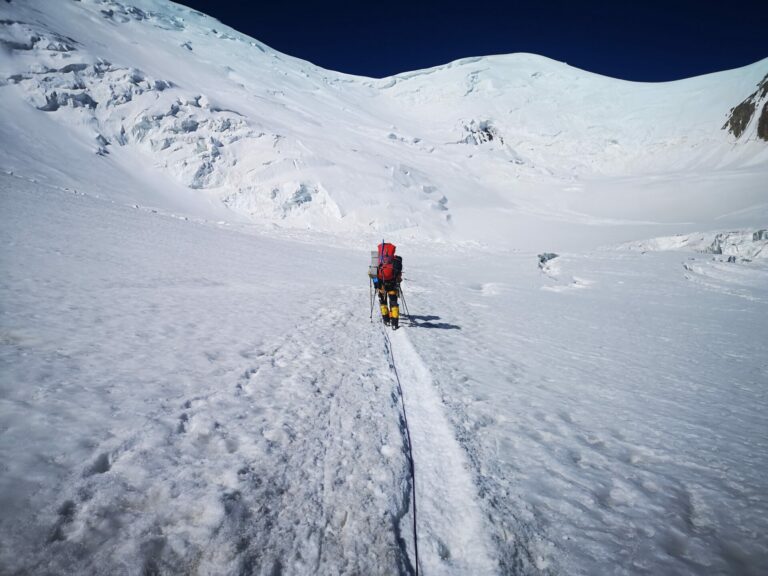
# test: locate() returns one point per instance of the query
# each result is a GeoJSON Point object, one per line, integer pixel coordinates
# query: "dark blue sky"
{"type": "Point", "coordinates": [634, 40]}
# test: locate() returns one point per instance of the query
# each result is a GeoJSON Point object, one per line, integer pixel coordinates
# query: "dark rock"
{"type": "Point", "coordinates": [762, 123]}
{"type": "Point", "coordinates": [740, 117]}
{"type": "Point", "coordinates": [763, 87]}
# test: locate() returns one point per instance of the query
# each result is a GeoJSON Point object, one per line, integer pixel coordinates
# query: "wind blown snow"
{"type": "Point", "coordinates": [188, 380]}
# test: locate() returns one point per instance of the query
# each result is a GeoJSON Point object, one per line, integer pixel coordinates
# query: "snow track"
{"type": "Point", "coordinates": [295, 468]}
{"type": "Point", "coordinates": [183, 415]}
{"type": "Point", "coordinates": [452, 532]}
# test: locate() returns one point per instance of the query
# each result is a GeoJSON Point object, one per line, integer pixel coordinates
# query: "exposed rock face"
{"type": "Point", "coordinates": [762, 123]}
{"type": "Point", "coordinates": [742, 114]}
{"type": "Point", "coordinates": [740, 117]}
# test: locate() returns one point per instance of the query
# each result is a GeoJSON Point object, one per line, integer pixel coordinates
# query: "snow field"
{"type": "Point", "coordinates": [188, 382]}
{"type": "Point", "coordinates": [186, 396]}
{"type": "Point", "coordinates": [618, 427]}
{"type": "Point", "coordinates": [165, 408]}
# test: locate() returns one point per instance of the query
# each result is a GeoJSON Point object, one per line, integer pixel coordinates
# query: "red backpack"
{"type": "Point", "coordinates": [390, 265]}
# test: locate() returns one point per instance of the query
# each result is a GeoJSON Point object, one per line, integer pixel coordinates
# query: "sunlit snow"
{"type": "Point", "coordinates": [192, 377]}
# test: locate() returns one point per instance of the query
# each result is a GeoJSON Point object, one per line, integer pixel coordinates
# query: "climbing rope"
{"type": "Point", "coordinates": [410, 450]}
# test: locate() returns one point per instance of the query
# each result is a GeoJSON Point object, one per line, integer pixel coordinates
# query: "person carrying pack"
{"type": "Point", "coordinates": [387, 278]}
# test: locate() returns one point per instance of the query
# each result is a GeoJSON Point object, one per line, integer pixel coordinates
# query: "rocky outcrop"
{"type": "Point", "coordinates": [742, 114]}
{"type": "Point", "coordinates": [762, 123]}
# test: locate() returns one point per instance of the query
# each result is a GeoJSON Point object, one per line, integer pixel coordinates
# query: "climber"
{"type": "Point", "coordinates": [389, 274]}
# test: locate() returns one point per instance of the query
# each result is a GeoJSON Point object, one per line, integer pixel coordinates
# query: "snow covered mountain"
{"type": "Point", "coordinates": [188, 382]}
{"type": "Point", "coordinates": [430, 154]}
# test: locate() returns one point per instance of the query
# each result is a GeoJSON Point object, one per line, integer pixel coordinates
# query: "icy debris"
{"type": "Point", "coordinates": [55, 100]}
{"type": "Point", "coordinates": [743, 246]}
{"type": "Point", "coordinates": [179, 126]}
{"type": "Point", "coordinates": [480, 132]}
{"type": "Point", "coordinates": [548, 266]}
{"type": "Point", "coordinates": [99, 82]}
{"type": "Point", "coordinates": [300, 196]}
{"type": "Point", "coordinates": [20, 36]}
{"type": "Point", "coordinates": [289, 200]}
{"type": "Point", "coordinates": [102, 144]}
{"type": "Point", "coordinates": [120, 13]}
{"type": "Point", "coordinates": [735, 246]}
{"type": "Point", "coordinates": [546, 257]}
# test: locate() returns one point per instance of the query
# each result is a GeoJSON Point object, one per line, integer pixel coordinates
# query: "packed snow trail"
{"type": "Point", "coordinates": [452, 533]}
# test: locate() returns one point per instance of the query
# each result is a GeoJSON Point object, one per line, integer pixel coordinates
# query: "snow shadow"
{"type": "Point", "coordinates": [429, 322]}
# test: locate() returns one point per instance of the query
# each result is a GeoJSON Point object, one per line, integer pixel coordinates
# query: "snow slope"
{"type": "Point", "coordinates": [177, 408]}
{"type": "Point", "coordinates": [516, 139]}
{"type": "Point", "coordinates": [188, 382]}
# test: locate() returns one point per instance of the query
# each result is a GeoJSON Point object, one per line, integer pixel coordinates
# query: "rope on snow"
{"type": "Point", "coordinates": [410, 450]}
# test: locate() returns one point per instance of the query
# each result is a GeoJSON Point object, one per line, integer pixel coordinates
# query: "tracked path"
{"type": "Point", "coordinates": [286, 459]}
{"type": "Point", "coordinates": [452, 534]}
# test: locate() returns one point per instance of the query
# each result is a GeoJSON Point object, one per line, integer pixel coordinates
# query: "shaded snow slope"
{"type": "Point", "coordinates": [430, 154]}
